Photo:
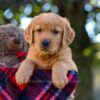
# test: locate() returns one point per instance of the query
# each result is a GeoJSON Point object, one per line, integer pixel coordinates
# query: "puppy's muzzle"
{"type": "Point", "coordinates": [45, 43]}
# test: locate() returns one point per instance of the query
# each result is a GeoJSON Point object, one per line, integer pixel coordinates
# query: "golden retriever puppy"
{"type": "Point", "coordinates": [49, 36]}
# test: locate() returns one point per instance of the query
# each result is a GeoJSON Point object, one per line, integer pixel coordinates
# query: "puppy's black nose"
{"type": "Point", "coordinates": [46, 43]}
{"type": "Point", "coordinates": [17, 41]}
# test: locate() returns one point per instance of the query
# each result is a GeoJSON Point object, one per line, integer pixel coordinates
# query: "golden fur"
{"type": "Point", "coordinates": [57, 57]}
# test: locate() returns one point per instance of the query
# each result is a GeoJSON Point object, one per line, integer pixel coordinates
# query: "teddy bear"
{"type": "Point", "coordinates": [11, 43]}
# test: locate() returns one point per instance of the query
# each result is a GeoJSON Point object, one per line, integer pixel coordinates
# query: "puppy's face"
{"type": "Point", "coordinates": [48, 32]}
{"type": "Point", "coordinates": [47, 38]}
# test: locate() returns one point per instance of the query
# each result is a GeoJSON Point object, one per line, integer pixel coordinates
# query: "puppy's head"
{"type": "Point", "coordinates": [48, 32]}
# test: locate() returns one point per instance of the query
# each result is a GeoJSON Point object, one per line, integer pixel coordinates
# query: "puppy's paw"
{"type": "Point", "coordinates": [22, 78]}
{"type": "Point", "coordinates": [24, 72]}
{"type": "Point", "coordinates": [59, 80]}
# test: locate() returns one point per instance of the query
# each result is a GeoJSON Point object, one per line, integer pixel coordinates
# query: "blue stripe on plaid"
{"type": "Point", "coordinates": [49, 93]}
{"type": "Point", "coordinates": [43, 92]}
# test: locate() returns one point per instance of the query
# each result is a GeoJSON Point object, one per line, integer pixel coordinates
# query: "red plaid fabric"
{"type": "Point", "coordinates": [40, 86]}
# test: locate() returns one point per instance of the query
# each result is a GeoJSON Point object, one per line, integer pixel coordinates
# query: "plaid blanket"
{"type": "Point", "coordinates": [39, 87]}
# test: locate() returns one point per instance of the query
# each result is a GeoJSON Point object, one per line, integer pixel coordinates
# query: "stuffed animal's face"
{"type": "Point", "coordinates": [11, 39]}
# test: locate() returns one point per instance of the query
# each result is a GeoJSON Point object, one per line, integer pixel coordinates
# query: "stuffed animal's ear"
{"type": "Point", "coordinates": [68, 33]}
{"type": "Point", "coordinates": [29, 34]}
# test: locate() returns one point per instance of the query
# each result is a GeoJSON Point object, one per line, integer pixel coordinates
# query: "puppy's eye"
{"type": "Point", "coordinates": [39, 30]}
{"type": "Point", "coordinates": [55, 31]}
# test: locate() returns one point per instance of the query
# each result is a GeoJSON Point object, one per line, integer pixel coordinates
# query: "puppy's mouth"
{"type": "Point", "coordinates": [45, 49]}
{"type": "Point", "coordinates": [48, 50]}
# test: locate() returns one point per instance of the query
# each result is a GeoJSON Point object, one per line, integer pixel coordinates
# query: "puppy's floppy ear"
{"type": "Point", "coordinates": [68, 33]}
{"type": "Point", "coordinates": [29, 34]}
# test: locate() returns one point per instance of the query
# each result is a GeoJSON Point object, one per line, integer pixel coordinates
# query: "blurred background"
{"type": "Point", "coordinates": [84, 16]}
